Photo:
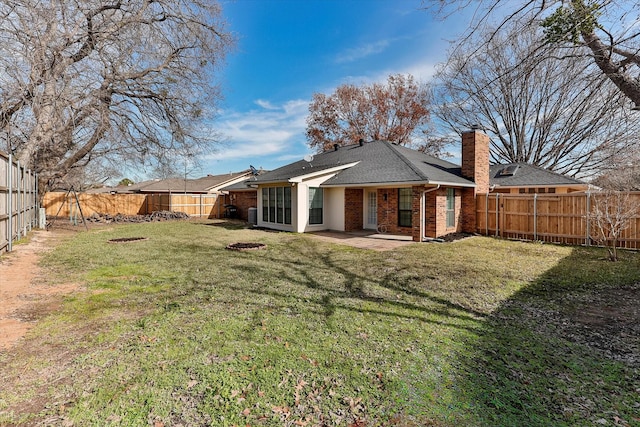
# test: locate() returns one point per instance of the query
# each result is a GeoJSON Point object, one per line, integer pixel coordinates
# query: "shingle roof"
{"type": "Point", "coordinates": [527, 175]}
{"type": "Point", "coordinates": [378, 162]}
{"type": "Point", "coordinates": [180, 185]}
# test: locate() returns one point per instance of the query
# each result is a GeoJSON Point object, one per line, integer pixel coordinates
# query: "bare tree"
{"type": "Point", "coordinates": [397, 111]}
{"type": "Point", "coordinates": [606, 31]}
{"type": "Point", "coordinates": [611, 215]}
{"type": "Point", "coordinates": [127, 79]}
{"type": "Point", "coordinates": [546, 111]}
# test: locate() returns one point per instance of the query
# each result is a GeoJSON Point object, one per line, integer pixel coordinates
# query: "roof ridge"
{"type": "Point", "coordinates": [406, 161]}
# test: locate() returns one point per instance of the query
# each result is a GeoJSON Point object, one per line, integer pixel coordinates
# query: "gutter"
{"type": "Point", "coordinates": [423, 220]}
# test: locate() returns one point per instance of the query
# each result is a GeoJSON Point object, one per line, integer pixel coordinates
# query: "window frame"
{"type": "Point", "coordinates": [405, 207]}
{"type": "Point", "coordinates": [451, 208]}
{"type": "Point", "coordinates": [276, 205]}
{"type": "Point", "coordinates": [316, 214]}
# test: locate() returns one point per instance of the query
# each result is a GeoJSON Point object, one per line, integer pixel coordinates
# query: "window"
{"type": "Point", "coordinates": [404, 207]}
{"type": "Point", "coordinates": [276, 205]}
{"type": "Point", "coordinates": [265, 204]}
{"type": "Point", "coordinates": [451, 207]}
{"type": "Point", "coordinates": [315, 205]}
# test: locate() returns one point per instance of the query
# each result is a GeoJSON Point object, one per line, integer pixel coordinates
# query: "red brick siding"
{"type": "Point", "coordinates": [388, 212]}
{"type": "Point", "coordinates": [243, 200]}
{"type": "Point", "coordinates": [475, 166]}
{"type": "Point", "coordinates": [353, 209]}
{"type": "Point", "coordinates": [475, 159]}
{"type": "Point", "coordinates": [436, 213]}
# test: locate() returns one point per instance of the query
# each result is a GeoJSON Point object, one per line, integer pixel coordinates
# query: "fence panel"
{"type": "Point", "coordinates": [557, 218]}
{"type": "Point", "coordinates": [63, 204]}
{"type": "Point", "coordinates": [18, 201]}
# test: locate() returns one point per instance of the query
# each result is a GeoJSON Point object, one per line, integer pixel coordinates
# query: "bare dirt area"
{"type": "Point", "coordinates": [25, 293]}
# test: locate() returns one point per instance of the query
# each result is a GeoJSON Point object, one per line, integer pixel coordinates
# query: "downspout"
{"type": "Point", "coordinates": [423, 207]}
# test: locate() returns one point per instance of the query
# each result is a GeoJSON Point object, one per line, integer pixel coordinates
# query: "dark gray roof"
{"type": "Point", "coordinates": [179, 185]}
{"type": "Point", "coordinates": [527, 175]}
{"type": "Point", "coordinates": [379, 162]}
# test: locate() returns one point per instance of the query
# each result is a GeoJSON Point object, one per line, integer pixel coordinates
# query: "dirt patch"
{"type": "Point", "coordinates": [25, 293]}
{"type": "Point", "coordinates": [250, 246]}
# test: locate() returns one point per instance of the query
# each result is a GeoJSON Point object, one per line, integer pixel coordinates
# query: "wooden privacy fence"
{"type": "Point", "coordinates": [18, 201]}
{"type": "Point", "coordinates": [197, 205]}
{"type": "Point", "coordinates": [558, 218]}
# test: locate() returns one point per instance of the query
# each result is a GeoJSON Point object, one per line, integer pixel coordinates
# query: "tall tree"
{"type": "Point", "coordinates": [554, 113]}
{"type": "Point", "coordinates": [126, 79]}
{"type": "Point", "coordinates": [397, 111]}
{"type": "Point", "coordinates": [604, 30]}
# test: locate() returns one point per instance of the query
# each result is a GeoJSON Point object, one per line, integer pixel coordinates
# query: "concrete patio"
{"type": "Point", "coordinates": [364, 239]}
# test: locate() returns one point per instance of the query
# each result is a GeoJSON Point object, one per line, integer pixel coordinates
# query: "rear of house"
{"type": "Point", "coordinates": [376, 185]}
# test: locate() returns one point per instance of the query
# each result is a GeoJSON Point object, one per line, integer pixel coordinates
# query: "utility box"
{"type": "Point", "coordinates": [253, 216]}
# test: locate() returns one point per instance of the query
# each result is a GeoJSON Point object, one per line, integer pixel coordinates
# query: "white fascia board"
{"type": "Point", "coordinates": [229, 181]}
{"type": "Point", "coordinates": [400, 184]}
{"type": "Point", "coordinates": [301, 178]}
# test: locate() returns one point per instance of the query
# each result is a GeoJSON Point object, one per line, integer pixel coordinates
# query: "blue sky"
{"type": "Point", "coordinates": [290, 49]}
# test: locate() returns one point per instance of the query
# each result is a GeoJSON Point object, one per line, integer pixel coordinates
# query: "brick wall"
{"type": "Point", "coordinates": [388, 212]}
{"type": "Point", "coordinates": [475, 167]}
{"type": "Point", "coordinates": [353, 209]}
{"type": "Point", "coordinates": [243, 200]}
{"type": "Point", "coordinates": [436, 211]}
{"type": "Point", "coordinates": [475, 159]}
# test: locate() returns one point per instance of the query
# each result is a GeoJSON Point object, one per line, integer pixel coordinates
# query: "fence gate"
{"type": "Point", "coordinates": [18, 201]}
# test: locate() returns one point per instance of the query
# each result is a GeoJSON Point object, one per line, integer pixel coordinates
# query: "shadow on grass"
{"type": "Point", "coordinates": [227, 224]}
{"type": "Point", "coordinates": [541, 359]}
{"type": "Point", "coordinates": [353, 290]}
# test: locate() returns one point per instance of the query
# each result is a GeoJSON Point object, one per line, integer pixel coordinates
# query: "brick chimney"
{"type": "Point", "coordinates": [475, 167]}
{"type": "Point", "coordinates": [475, 159]}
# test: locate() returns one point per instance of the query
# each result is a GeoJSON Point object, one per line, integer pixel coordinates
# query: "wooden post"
{"type": "Point", "coordinates": [535, 216]}
{"type": "Point", "coordinates": [497, 214]}
{"type": "Point", "coordinates": [588, 219]}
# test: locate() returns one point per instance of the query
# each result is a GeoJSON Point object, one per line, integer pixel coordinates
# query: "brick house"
{"type": "Point", "coordinates": [374, 185]}
{"type": "Point", "coordinates": [523, 178]}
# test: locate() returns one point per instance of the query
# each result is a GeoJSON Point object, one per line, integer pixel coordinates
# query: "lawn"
{"type": "Point", "coordinates": [176, 330]}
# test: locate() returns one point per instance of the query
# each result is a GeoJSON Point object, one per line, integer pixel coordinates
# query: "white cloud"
{"type": "Point", "coordinates": [362, 51]}
{"type": "Point", "coordinates": [267, 131]}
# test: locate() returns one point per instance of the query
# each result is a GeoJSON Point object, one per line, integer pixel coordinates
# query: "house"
{"type": "Point", "coordinates": [386, 187]}
{"type": "Point", "coordinates": [376, 185]}
{"type": "Point", "coordinates": [209, 184]}
{"type": "Point", "coordinates": [521, 178]}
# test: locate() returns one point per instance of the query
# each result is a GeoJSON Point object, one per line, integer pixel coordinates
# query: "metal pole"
{"type": "Point", "coordinates": [10, 204]}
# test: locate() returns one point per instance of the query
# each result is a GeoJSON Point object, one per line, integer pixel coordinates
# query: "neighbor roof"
{"type": "Point", "coordinates": [180, 185]}
{"type": "Point", "coordinates": [376, 162]}
{"type": "Point", "coordinates": [526, 175]}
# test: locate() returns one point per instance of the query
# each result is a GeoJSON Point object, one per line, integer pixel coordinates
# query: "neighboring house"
{"type": "Point", "coordinates": [210, 184]}
{"type": "Point", "coordinates": [242, 195]}
{"type": "Point", "coordinates": [520, 178]}
{"type": "Point", "coordinates": [379, 186]}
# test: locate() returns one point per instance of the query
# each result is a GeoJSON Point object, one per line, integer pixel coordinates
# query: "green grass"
{"type": "Point", "coordinates": [177, 330]}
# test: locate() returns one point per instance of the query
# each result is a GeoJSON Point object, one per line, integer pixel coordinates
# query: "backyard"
{"type": "Point", "coordinates": [172, 329]}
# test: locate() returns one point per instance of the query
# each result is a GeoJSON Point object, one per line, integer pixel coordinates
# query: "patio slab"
{"type": "Point", "coordinates": [365, 239]}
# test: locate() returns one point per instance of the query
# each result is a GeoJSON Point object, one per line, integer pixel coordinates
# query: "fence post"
{"type": "Point", "coordinates": [587, 239]}
{"type": "Point", "coordinates": [486, 215]}
{"type": "Point", "coordinates": [18, 204]}
{"type": "Point", "coordinates": [10, 203]}
{"type": "Point", "coordinates": [497, 214]}
{"type": "Point", "coordinates": [535, 216]}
